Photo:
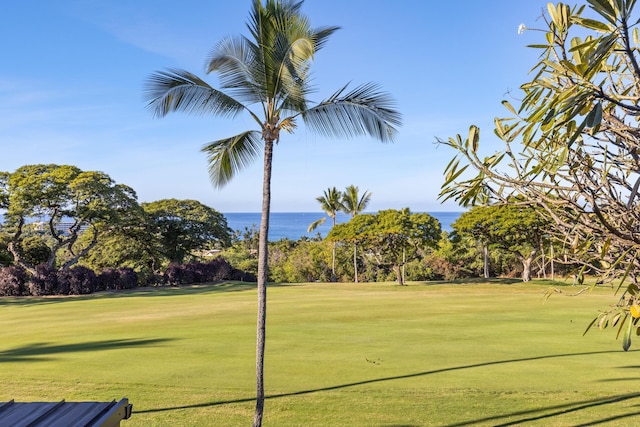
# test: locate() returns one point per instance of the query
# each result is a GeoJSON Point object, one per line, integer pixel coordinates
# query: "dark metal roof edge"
{"type": "Point", "coordinates": [96, 414]}
{"type": "Point", "coordinates": [118, 411]}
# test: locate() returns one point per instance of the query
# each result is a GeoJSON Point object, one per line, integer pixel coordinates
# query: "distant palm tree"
{"type": "Point", "coordinates": [269, 71]}
{"type": "Point", "coordinates": [353, 204]}
{"type": "Point", "coordinates": [331, 203]}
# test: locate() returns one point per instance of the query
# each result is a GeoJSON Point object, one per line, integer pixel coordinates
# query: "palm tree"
{"type": "Point", "coordinates": [267, 76]}
{"type": "Point", "coordinates": [331, 203]}
{"type": "Point", "coordinates": [353, 204]}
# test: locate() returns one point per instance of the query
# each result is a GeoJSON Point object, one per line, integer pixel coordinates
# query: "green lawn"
{"type": "Point", "coordinates": [337, 355]}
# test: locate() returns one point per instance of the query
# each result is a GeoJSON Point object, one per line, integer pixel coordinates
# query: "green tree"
{"type": "Point", "coordinates": [243, 253]}
{"type": "Point", "coordinates": [71, 201]}
{"type": "Point", "coordinates": [270, 70]}
{"type": "Point", "coordinates": [331, 204]}
{"type": "Point", "coordinates": [519, 230]}
{"type": "Point", "coordinates": [353, 204]}
{"type": "Point", "coordinates": [297, 261]}
{"type": "Point", "coordinates": [184, 226]}
{"type": "Point", "coordinates": [571, 145]}
{"type": "Point", "coordinates": [391, 236]}
{"type": "Point", "coordinates": [448, 261]}
{"type": "Point", "coordinates": [135, 244]}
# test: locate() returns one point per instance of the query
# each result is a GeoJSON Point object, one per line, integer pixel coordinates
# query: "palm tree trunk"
{"type": "Point", "coordinates": [355, 262]}
{"type": "Point", "coordinates": [485, 251]}
{"type": "Point", "coordinates": [263, 260]}
{"type": "Point", "coordinates": [333, 263]}
{"type": "Point", "coordinates": [333, 257]}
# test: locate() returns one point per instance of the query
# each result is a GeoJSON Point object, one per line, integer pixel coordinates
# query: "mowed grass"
{"type": "Point", "coordinates": [337, 355]}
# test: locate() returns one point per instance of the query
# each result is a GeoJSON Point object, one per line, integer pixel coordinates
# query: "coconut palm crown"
{"type": "Point", "coordinates": [267, 76]}
{"type": "Point", "coordinates": [331, 204]}
{"type": "Point", "coordinates": [270, 71]}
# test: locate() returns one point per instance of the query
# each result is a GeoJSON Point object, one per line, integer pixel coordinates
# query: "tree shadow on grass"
{"type": "Point", "coordinates": [521, 417]}
{"type": "Point", "coordinates": [478, 281]}
{"type": "Point", "coordinates": [507, 281]}
{"type": "Point", "coordinates": [39, 352]}
{"type": "Point", "coordinates": [195, 289]}
{"type": "Point", "coordinates": [150, 291]}
{"type": "Point", "coordinates": [532, 414]}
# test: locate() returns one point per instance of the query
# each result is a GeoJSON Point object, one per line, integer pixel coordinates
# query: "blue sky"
{"type": "Point", "coordinates": [73, 72]}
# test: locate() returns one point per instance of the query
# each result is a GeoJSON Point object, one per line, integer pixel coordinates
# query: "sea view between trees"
{"type": "Point", "coordinates": [293, 225]}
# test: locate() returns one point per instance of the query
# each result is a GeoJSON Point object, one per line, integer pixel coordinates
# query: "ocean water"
{"type": "Point", "coordinates": [293, 225]}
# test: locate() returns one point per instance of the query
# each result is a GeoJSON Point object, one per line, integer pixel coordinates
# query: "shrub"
{"type": "Point", "coordinates": [44, 282]}
{"type": "Point", "coordinates": [219, 269]}
{"type": "Point", "coordinates": [197, 272]}
{"type": "Point", "coordinates": [151, 279]}
{"type": "Point", "coordinates": [242, 276]}
{"type": "Point", "coordinates": [78, 280]}
{"type": "Point", "coordinates": [128, 278]}
{"type": "Point", "coordinates": [419, 270]}
{"type": "Point", "coordinates": [12, 281]}
{"type": "Point", "coordinates": [177, 274]}
{"type": "Point", "coordinates": [117, 278]}
{"type": "Point", "coordinates": [107, 279]}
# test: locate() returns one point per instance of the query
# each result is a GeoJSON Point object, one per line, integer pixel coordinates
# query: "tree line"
{"type": "Point", "coordinates": [400, 245]}
{"type": "Point", "coordinates": [58, 217]}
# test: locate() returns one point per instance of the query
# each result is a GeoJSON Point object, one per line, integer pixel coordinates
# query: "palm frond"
{"type": "Point", "coordinates": [228, 156]}
{"type": "Point", "coordinates": [234, 61]}
{"type": "Point", "coordinates": [180, 90]}
{"type": "Point", "coordinates": [283, 43]}
{"type": "Point", "coordinates": [363, 111]}
{"type": "Point", "coordinates": [315, 224]}
{"type": "Point", "coordinates": [352, 202]}
{"type": "Point", "coordinates": [263, 28]}
{"type": "Point", "coordinates": [295, 52]}
{"type": "Point", "coordinates": [288, 124]}
{"type": "Point", "coordinates": [294, 57]}
{"type": "Point", "coordinates": [265, 20]}
{"type": "Point", "coordinates": [331, 201]}
{"type": "Point", "coordinates": [322, 34]}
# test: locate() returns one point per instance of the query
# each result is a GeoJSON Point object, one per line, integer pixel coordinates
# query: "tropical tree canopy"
{"type": "Point", "coordinates": [391, 236]}
{"type": "Point", "coordinates": [82, 201]}
{"type": "Point", "coordinates": [184, 226]}
{"type": "Point", "coordinates": [571, 146]}
{"type": "Point", "coordinates": [517, 229]}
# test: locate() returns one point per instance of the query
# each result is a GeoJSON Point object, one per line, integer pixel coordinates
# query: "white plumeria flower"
{"type": "Point", "coordinates": [521, 29]}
